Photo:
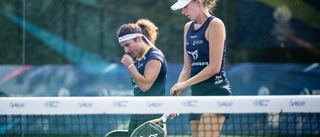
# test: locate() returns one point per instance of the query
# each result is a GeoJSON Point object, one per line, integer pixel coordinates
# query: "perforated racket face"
{"type": "Point", "coordinates": [148, 130]}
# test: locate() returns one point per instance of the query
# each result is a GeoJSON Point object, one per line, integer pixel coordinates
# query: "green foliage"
{"type": "Point", "coordinates": [92, 25]}
{"type": "Point", "coordinates": [170, 23]}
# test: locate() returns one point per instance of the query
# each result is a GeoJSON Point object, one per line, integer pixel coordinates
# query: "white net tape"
{"type": "Point", "coordinates": [167, 104]}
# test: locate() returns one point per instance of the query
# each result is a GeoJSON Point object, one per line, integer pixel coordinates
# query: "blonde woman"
{"type": "Point", "coordinates": [204, 59]}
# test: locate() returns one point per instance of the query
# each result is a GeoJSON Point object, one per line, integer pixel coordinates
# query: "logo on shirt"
{"type": "Point", "coordinates": [197, 42]}
{"type": "Point", "coordinates": [193, 54]}
{"type": "Point", "coordinates": [140, 63]}
{"type": "Point", "coordinates": [193, 37]}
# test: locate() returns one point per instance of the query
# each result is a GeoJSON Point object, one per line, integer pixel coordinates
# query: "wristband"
{"type": "Point", "coordinates": [130, 66]}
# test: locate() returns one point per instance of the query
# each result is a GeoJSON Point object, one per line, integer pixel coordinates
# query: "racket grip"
{"type": "Point", "coordinates": [164, 117]}
{"type": "Point", "coordinates": [174, 93]}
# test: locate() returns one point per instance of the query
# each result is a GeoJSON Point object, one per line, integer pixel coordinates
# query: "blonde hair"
{"type": "Point", "coordinates": [209, 4]}
{"type": "Point", "coordinates": [142, 26]}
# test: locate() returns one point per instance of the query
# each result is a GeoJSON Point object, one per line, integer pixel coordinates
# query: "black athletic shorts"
{"type": "Point", "coordinates": [198, 116]}
{"type": "Point", "coordinates": [206, 90]}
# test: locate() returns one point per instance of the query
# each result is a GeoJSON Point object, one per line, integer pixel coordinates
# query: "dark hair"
{"type": "Point", "coordinates": [142, 26]}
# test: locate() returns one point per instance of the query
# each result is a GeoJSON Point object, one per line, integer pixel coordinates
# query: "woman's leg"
{"type": "Point", "coordinates": [209, 125]}
{"type": "Point", "coordinates": [194, 124]}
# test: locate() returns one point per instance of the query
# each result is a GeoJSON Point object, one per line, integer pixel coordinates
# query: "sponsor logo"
{"type": "Point", "coordinates": [218, 80]}
{"type": "Point", "coordinates": [190, 103]}
{"type": "Point", "coordinates": [140, 63]}
{"type": "Point", "coordinates": [195, 36]}
{"type": "Point", "coordinates": [154, 104]}
{"type": "Point", "coordinates": [51, 104]}
{"type": "Point", "coordinates": [200, 64]}
{"type": "Point", "coordinates": [120, 104]}
{"type": "Point", "coordinates": [261, 103]}
{"type": "Point", "coordinates": [197, 42]}
{"type": "Point", "coordinates": [224, 104]}
{"type": "Point", "coordinates": [194, 54]}
{"type": "Point", "coordinates": [85, 105]}
{"type": "Point", "coordinates": [16, 105]}
{"type": "Point", "coordinates": [297, 103]}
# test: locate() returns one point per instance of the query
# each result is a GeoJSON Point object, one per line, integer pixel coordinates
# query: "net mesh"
{"type": "Point", "coordinates": [97, 116]}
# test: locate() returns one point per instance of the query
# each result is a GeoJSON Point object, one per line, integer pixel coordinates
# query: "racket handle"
{"type": "Point", "coordinates": [174, 93]}
{"type": "Point", "coordinates": [164, 117]}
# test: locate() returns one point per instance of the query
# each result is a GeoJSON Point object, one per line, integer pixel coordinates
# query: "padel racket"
{"type": "Point", "coordinates": [117, 133]}
{"type": "Point", "coordinates": [152, 128]}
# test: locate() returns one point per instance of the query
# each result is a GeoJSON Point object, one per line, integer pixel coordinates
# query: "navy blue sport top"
{"type": "Point", "coordinates": [198, 49]}
{"type": "Point", "coordinates": [158, 87]}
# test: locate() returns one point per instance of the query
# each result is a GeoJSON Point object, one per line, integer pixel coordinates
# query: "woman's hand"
{"type": "Point", "coordinates": [126, 60]}
{"type": "Point", "coordinates": [173, 115]}
{"type": "Point", "coordinates": [178, 88]}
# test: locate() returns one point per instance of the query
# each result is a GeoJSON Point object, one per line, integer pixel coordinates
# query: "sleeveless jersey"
{"type": "Point", "coordinates": [198, 49]}
{"type": "Point", "coordinates": [158, 87]}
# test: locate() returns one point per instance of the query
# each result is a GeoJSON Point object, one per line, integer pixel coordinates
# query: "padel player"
{"type": "Point", "coordinates": [146, 63]}
{"type": "Point", "coordinates": [204, 59]}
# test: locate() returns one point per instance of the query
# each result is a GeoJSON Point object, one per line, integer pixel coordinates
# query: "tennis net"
{"type": "Point", "coordinates": [96, 116]}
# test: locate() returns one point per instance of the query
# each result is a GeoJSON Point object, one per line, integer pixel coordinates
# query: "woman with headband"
{"type": "Point", "coordinates": [204, 58]}
{"type": "Point", "coordinates": [146, 64]}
